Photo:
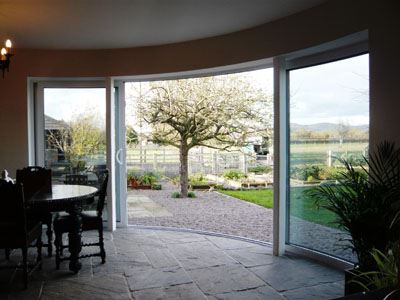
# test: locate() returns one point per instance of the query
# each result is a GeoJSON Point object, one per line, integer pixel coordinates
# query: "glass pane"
{"type": "Point", "coordinates": [329, 119]}
{"type": "Point", "coordinates": [227, 126]}
{"type": "Point", "coordinates": [75, 133]}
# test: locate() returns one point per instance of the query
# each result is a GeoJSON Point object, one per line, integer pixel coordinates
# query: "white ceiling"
{"type": "Point", "coordinates": [90, 24]}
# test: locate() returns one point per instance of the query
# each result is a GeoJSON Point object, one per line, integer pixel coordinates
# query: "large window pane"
{"type": "Point", "coordinates": [329, 119]}
{"type": "Point", "coordinates": [75, 140]}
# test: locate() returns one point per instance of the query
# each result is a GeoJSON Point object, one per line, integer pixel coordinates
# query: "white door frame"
{"type": "Point", "coordinates": [120, 152]}
{"type": "Point", "coordinates": [36, 86]}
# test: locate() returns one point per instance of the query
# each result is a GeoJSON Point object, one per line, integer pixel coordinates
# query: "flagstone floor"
{"type": "Point", "coordinates": [159, 264]}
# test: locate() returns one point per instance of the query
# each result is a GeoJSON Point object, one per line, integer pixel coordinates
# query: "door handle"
{"type": "Point", "coordinates": [117, 156]}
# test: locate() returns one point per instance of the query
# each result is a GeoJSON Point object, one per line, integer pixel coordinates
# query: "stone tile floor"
{"type": "Point", "coordinates": [158, 264]}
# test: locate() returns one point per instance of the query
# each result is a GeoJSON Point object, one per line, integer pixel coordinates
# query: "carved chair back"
{"type": "Point", "coordinates": [12, 214]}
{"type": "Point", "coordinates": [34, 179]}
{"type": "Point", "coordinates": [102, 194]}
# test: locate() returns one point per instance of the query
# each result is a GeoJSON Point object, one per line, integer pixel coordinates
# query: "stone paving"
{"type": "Point", "coordinates": [158, 264]}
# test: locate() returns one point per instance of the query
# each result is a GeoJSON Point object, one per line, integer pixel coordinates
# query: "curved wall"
{"type": "Point", "coordinates": [329, 21]}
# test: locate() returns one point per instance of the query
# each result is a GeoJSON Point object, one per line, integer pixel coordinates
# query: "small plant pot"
{"type": "Point", "coordinates": [143, 187]}
{"type": "Point", "coordinates": [393, 295]}
{"type": "Point", "coordinates": [133, 183]}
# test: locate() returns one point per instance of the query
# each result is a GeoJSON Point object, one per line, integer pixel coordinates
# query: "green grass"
{"type": "Point", "coordinates": [260, 197]}
{"type": "Point", "coordinates": [304, 208]}
{"type": "Point", "coordinates": [301, 206]}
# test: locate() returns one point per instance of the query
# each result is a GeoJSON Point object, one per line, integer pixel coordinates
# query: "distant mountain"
{"type": "Point", "coordinates": [318, 127]}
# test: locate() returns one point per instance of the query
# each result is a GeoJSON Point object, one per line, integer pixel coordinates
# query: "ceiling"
{"type": "Point", "coordinates": [97, 24]}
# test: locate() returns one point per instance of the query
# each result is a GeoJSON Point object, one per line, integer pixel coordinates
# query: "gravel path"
{"type": "Point", "coordinates": [209, 211]}
{"type": "Point", "coordinates": [320, 238]}
{"type": "Point", "coordinates": [215, 212]}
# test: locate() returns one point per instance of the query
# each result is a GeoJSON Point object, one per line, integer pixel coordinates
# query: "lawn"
{"type": "Point", "coordinates": [260, 197]}
{"type": "Point", "coordinates": [301, 206]}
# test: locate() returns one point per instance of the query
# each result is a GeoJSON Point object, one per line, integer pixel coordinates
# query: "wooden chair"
{"type": "Point", "coordinates": [34, 179]}
{"type": "Point", "coordinates": [16, 232]}
{"type": "Point", "coordinates": [81, 179]}
{"type": "Point", "coordinates": [91, 220]}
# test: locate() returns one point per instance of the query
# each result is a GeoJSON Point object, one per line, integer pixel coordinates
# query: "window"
{"type": "Point", "coordinates": [328, 120]}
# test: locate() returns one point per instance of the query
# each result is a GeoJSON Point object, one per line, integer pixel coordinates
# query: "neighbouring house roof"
{"type": "Point", "coordinates": [53, 124]}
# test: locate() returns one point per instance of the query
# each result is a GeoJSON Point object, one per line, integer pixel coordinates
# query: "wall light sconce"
{"type": "Point", "coordinates": [5, 57]}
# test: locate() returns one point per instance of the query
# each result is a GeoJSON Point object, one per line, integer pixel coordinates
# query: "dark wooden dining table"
{"type": "Point", "coordinates": [68, 198]}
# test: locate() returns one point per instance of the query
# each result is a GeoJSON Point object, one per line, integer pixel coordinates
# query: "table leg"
{"type": "Point", "coordinates": [74, 237]}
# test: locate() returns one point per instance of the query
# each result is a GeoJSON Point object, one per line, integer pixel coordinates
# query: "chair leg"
{"type": "Point", "coordinates": [25, 266]}
{"type": "Point", "coordinates": [101, 242]}
{"type": "Point", "coordinates": [7, 253]}
{"type": "Point", "coordinates": [39, 245]}
{"type": "Point", "coordinates": [58, 244]}
{"type": "Point", "coordinates": [49, 233]}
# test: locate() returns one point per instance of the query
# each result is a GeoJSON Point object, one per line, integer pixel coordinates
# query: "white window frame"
{"type": "Point", "coordinates": [349, 46]}
{"type": "Point", "coordinates": [36, 86]}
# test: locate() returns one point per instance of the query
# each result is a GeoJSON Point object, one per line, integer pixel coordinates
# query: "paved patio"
{"type": "Point", "coordinates": [157, 264]}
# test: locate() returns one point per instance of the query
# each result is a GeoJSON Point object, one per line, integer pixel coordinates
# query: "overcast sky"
{"type": "Point", "coordinates": [331, 93]}
{"type": "Point", "coordinates": [64, 103]}
{"type": "Point", "coordinates": [328, 93]}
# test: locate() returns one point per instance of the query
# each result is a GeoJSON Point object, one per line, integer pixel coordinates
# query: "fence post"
{"type": "Point", "coordinates": [329, 158]}
{"type": "Point", "coordinates": [201, 160]}
{"type": "Point", "coordinates": [164, 155]}
{"type": "Point", "coordinates": [244, 166]}
{"type": "Point", "coordinates": [214, 162]}
{"type": "Point", "coordinates": [155, 161]}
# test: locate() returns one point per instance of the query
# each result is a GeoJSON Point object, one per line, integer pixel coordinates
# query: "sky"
{"type": "Point", "coordinates": [329, 93]}
{"type": "Point", "coordinates": [65, 103]}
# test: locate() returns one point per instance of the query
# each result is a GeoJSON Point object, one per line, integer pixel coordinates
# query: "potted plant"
{"type": "Point", "coordinates": [132, 178]}
{"type": "Point", "coordinates": [383, 281]}
{"type": "Point", "coordinates": [147, 180]}
{"type": "Point", "coordinates": [365, 201]}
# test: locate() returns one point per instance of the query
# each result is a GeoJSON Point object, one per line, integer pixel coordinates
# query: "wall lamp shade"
{"type": "Point", "coordinates": [5, 57]}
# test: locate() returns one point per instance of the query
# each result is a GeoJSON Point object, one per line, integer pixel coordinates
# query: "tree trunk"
{"type": "Point", "coordinates": [184, 182]}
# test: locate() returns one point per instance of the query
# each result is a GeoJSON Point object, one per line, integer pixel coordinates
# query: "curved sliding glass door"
{"type": "Point", "coordinates": [329, 119]}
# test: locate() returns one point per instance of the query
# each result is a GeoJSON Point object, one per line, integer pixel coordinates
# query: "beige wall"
{"type": "Point", "coordinates": [385, 72]}
{"type": "Point", "coordinates": [324, 23]}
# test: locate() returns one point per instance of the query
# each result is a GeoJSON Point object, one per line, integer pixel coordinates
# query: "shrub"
{"type": "Point", "coordinates": [260, 169]}
{"type": "Point", "coordinates": [156, 187]}
{"type": "Point", "coordinates": [176, 195]}
{"type": "Point", "coordinates": [304, 172]}
{"type": "Point", "coordinates": [148, 178]}
{"type": "Point", "coordinates": [310, 179]}
{"type": "Point", "coordinates": [197, 179]}
{"type": "Point", "coordinates": [234, 174]}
